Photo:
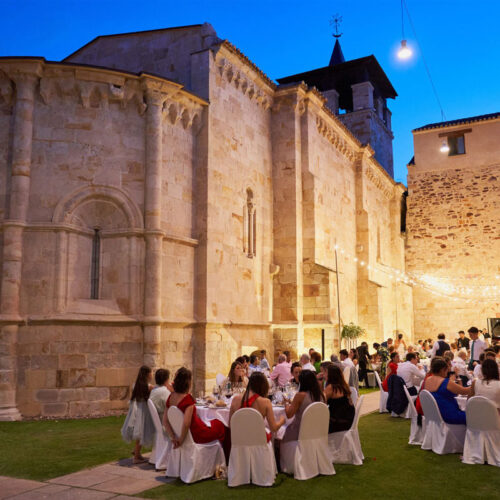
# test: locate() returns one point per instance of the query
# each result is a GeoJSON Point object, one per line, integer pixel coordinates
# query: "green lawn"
{"type": "Point", "coordinates": [392, 469]}
{"type": "Point", "coordinates": [45, 449]}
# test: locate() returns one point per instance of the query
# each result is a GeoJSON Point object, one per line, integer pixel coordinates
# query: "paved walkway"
{"type": "Point", "coordinates": [117, 480]}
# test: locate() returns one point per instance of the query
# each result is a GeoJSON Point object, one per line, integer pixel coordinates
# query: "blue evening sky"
{"type": "Point", "coordinates": [459, 39]}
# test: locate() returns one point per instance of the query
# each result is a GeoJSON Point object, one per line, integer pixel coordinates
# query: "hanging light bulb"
{"type": "Point", "coordinates": [444, 147]}
{"type": "Point", "coordinates": [404, 51]}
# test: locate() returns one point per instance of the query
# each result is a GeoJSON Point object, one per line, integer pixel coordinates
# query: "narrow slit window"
{"type": "Point", "coordinates": [250, 226]}
{"type": "Point", "coordinates": [95, 265]}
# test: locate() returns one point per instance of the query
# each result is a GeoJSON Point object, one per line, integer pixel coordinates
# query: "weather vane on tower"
{"type": "Point", "coordinates": [336, 21]}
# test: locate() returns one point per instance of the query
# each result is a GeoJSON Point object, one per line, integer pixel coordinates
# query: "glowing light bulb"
{"type": "Point", "coordinates": [444, 147]}
{"type": "Point", "coordinates": [404, 51]}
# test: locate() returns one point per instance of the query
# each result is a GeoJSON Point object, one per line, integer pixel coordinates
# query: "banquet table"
{"type": "Point", "coordinates": [462, 402]}
{"type": "Point", "coordinates": [207, 413]}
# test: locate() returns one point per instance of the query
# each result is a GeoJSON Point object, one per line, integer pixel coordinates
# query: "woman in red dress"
{"type": "Point", "coordinates": [392, 369]}
{"type": "Point", "coordinates": [181, 398]}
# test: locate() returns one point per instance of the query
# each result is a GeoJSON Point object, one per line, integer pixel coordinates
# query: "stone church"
{"type": "Point", "coordinates": [163, 202]}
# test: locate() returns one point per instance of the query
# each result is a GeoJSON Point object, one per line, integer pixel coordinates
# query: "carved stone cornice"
{"type": "Point", "coordinates": [243, 82]}
{"type": "Point", "coordinates": [335, 138]}
{"type": "Point", "coordinates": [379, 180]}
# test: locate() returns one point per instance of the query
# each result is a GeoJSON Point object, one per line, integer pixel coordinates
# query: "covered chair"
{"type": "Point", "coordinates": [354, 395]}
{"type": "Point", "coordinates": [383, 395]}
{"type": "Point", "coordinates": [345, 446]}
{"type": "Point", "coordinates": [191, 461]}
{"type": "Point", "coordinates": [397, 404]}
{"type": "Point", "coordinates": [309, 455]}
{"type": "Point", "coordinates": [439, 436]}
{"type": "Point", "coordinates": [252, 457]}
{"type": "Point", "coordinates": [416, 431]}
{"type": "Point", "coordinates": [159, 453]}
{"type": "Point", "coordinates": [482, 439]}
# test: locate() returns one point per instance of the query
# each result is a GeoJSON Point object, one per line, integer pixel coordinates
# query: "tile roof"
{"type": "Point", "coordinates": [460, 121]}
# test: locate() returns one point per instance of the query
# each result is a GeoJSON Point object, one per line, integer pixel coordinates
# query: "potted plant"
{"type": "Point", "coordinates": [350, 333]}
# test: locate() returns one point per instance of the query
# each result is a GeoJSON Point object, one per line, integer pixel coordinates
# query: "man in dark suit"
{"type": "Point", "coordinates": [462, 341]}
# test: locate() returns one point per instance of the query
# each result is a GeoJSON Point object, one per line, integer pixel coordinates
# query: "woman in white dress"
{"type": "Point", "coordinates": [489, 385]}
{"type": "Point", "coordinates": [400, 346]}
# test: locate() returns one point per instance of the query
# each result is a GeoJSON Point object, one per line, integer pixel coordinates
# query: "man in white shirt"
{"type": "Point", "coordinates": [345, 359]}
{"type": "Point", "coordinates": [305, 362]}
{"type": "Point", "coordinates": [254, 365]}
{"type": "Point", "coordinates": [477, 347]}
{"type": "Point", "coordinates": [410, 373]}
{"type": "Point", "coordinates": [160, 393]}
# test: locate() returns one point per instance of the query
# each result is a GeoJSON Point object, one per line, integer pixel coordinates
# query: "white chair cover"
{"type": "Point", "coordinates": [354, 395]}
{"type": "Point", "coordinates": [252, 457]}
{"type": "Point", "coordinates": [439, 436]}
{"type": "Point", "coordinates": [482, 439]}
{"type": "Point", "coordinates": [416, 432]}
{"type": "Point", "coordinates": [191, 461]}
{"type": "Point", "coordinates": [219, 378]}
{"type": "Point", "coordinates": [383, 395]}
{"type": "Point", "coordinates": [309, 455]}
{"type": "Point", "coordinates": [347, 374]}
{"type": "Point", "coordinates": [345, 447]}
{"type": "Point", "coordinates": [159, 452]}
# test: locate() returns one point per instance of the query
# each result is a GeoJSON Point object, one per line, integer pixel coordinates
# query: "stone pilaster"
{"type": "Point", "coordinates": [152, 222]}
{"type": "Point", "coordinates": [25, 80]}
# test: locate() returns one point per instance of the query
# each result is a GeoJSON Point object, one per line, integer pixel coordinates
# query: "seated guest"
{"type": "Point", "coordinates": [243, 361]}
{"type": "Point", "coordinates": [410, 373]}
{"type": "Point", "coordinates": [338, 399]}
{"type": "Point", "coordinates": [489, 385]}
{"type": "Point", "coordinates": [295, 370]}
{"type": "Point", "coordinates": [288, 356]}
{"type": "Point", "coordinates": [454, 349]}
{"type": "Point", "coordinates": [264, 364]}
{"type": "Point", "coordinates": [161, 392]}
{"type": "Point", "coordinates": [477, 373]}
{"type": "Point", "coordinates": [305, 362]}
{"type": "Point", "coordinates": [316, 360]}
{"type": "Point", "coordinates": [460, 366]}
{"type": "Point", "coordinates": [236, 376]}
{"type": "Point", "coordinates": [309, 392]}
{"type": "Point", "coordinates": [323, 373]}
{"type": "Point", "coordinates": [182, 399]}
{"type": "Point", "coordinates": [392, 368]}
{"type": "Point", "coordinates": [255, 397]}
{"type": "Point", "coordinates": [254, 365]}
{"type": "Point", "coordinates": [336, 361]}
{"type": "Point", "coordinates": [281, 373]}
{"type": "Point", "coordinates": [444, 391]}
{"type": "Point", "coordinates": [345, 359]}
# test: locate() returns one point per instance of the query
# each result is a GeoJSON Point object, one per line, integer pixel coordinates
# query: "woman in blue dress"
{"type": "Point", "coordinates": [445, 391]}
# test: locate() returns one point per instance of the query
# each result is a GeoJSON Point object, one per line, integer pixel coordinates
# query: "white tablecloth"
{"type": "Point", "coordinates": [462, 402]}
{"type": "Point", "coordinates": [222, 414]}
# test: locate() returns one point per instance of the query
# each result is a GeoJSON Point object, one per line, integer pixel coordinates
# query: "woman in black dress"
{"type": "Point", "coordinates": [364, 360]}
{"type": "Point", "coordinates": [338, 399]}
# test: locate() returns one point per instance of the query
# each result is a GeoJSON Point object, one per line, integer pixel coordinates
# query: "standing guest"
{"type": "Point", "coordinates": [477, 347]}
{"type": "Point", "coordinates": [182, 399]}
{"type": "Point", "coordinates": [400, 345]}
{"type": "Point", "coordinates": [138, 425]}
{"type": "Point", "coordinates": [454, 349]}
{"type": "Point", "coordinates": [420, 348]}
{"type": "Point", "coordinates": [345, 359]}
{"type": "Point", "coordinates": [316, 360]}
{"type": "Point", "coordinates": [364, 364]}
{"type": "Point", "coordinates": [489, 386]}
{"type": "Point", "coordinates": [338, 399]}
{"type": "Point", "coordinates": [336, 361]}
{"type": "Point", "coordinates": [305, 362]}
{"type": "Point", "coordinates": [255, 397]}
{"type": "Point", "coordinates": [462, 340]}
{"type": "Point", "coordinates": [264, 364]}
{"type": "Point", "coordinates": [161, 392]}
{"type": "Point", "coordinates": [281, 373]}
{"type": "Point", "coordinates": [288, 356]}
{"type": "Point", "coordinates": [295, 370]}
{"type": "Point", "coordinates": [440, 346]}
{"type": "Point", "coordinates": [254, 365]}
{"type": "Point", "coordinates": [444, 391]}
{"type": "Point", "coordinates": [387, 343]}
{"type": "Point", "coordinates": [392, 369]}
{"type": "Point", "coordinates": [236, 376]}
{"type": "Point", "coordinates": [353, 355]}
{"type": "Point", "coordinates": [309, 392]}
{"type": "Point", "coordinates": [410, 373]}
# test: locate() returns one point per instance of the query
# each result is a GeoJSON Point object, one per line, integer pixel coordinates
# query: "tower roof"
{"type": "Point", "coordinates": [337, 55]}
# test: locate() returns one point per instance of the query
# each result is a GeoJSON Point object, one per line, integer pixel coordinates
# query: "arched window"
{"type": "Point", "coordinates": [95, 265]}
{"type": "Point", "coordinates": [250, 226]}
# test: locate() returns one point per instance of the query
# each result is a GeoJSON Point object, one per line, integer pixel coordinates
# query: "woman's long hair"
{"type": "Point", "coordinates": [309, 383]}
{"type": "Point", "coordinates": [258, 384]}
{"type": "Point", "coordinates": [232, 375]}
{"type": "Point", "coordinates": [141, 387]}
{"type": "Point", "coordinates": [337, 381]}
